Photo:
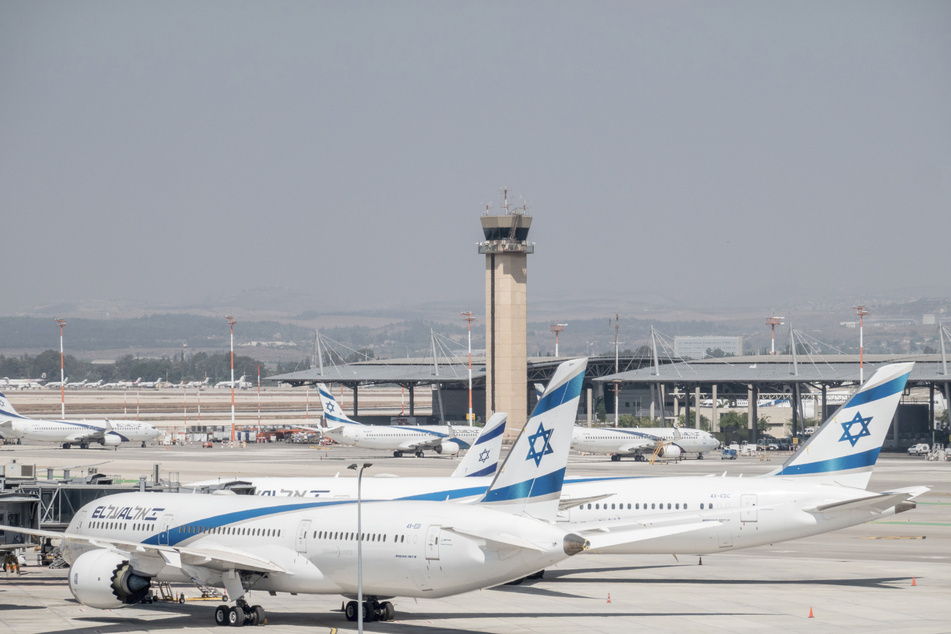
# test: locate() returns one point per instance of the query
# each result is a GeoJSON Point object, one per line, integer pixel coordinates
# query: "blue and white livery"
{"type": "Point", "coordinates": [400, 439]}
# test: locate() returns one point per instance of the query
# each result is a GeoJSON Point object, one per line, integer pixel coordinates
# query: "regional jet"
{"type": "Point", "coordinates": [119, 545]}
{"type": "Point", "coordinates": [443, 439]}
{"type": "Point", "coordinates": [108, 433]}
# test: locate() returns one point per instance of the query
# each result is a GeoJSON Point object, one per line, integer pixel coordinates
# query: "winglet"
{"type": "Point", "coordinates": [529, 482]}
{"type": "Point", "coordinates": [482, 459]}
{"type": "Point", "coordinates": [844, 449]}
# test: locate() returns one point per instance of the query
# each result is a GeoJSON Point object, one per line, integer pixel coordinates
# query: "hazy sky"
{"type": "Point", "coordinates": [171, 152]}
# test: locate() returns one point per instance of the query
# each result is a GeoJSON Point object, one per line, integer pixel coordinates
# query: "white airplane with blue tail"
{"type": "Point", "coordinates": [400, 439]}
{"type": "Point", "coordinates": [119, 545]}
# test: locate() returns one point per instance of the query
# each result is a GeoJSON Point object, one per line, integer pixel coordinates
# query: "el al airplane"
{"type": "Point", "coordinates": [469, 481]}
{"type": "Point", "coordinates": [239, 384]}
{"type": "Point", "coordinates": [119, 545]}
{"type": "Point", "coordinates": [443, 439]}
{"type": "Point", "coordinates": [21, 384]}
{"type": "Point", "coordinates": [73, 432]}
{"type": "Point", "coordinates": [668, 442]}
{"type": "Point", "coordinates": [821, 488]}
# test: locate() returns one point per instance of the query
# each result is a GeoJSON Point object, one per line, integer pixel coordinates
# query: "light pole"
{"type": "Point", "coordinates": [359, 469]}
{"type": "Point", "coordinates": [862, 312]}
{"type": "Point", "coordinates": [62, 378]}
{"type": "Point", "coordinates": [232, 322]}
{"type": "Point", "coordinates": [469, 319]}
{"type": "Point", "coordinates": [557, 328]}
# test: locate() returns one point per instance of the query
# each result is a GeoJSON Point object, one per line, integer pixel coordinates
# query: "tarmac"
{"type": "Point", "coordinates": [889, 575]}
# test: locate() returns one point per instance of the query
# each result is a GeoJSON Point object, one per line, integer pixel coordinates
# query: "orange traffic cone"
{"type": "Point", "coordinates": [810, 613]}
{"type": "Point", "coordinates": [913, 581]}
{"type": "Point", "coordinates": [609, 597]}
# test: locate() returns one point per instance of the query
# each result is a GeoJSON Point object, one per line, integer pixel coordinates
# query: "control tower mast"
{"type": "Point", "coordinates": [506, 250]}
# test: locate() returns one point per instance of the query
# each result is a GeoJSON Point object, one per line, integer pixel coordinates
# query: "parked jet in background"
{"type": "Point", "coordinates": [469, 481]}
{"type": "Point", "coordinates": [73, 432]}
{"type": "Point", "coordinates": [443, 439]}
{"type": "Point", "coordinates": [239, 384]}
{"type": "Point", "coordinates": [119, 545]}
{"type": "Point", "coordinates": [20, 384]}
{"type": "Point", "coordinates": [666, 442]}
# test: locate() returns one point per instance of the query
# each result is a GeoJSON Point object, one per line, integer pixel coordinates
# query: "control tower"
{"type": "Point", "coordinates": [506, 250]}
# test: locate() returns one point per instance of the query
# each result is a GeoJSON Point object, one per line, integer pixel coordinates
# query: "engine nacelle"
{"type": "Point", "coordinates": [448, 447]}
{"type": "Point", "coordinates": [103, 579]}
{"type": "Point", "coordinates": [110, 440]}
{"type": "Point", "coordinates": [671, 451]}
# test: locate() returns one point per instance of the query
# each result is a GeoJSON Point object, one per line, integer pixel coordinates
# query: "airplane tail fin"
{"type": "Point", "coordinates": [333, 413]}
{"type": "Point", "coordinates": [530, 480]}
{"type": "Point", "coordinates": [844, 449]}
{"type": "Point", "coordinates": [6, 408]}
{"type": "Point", "coordinates": [539, 391]}
{"type": "Point", "coordinates": [483, 456]}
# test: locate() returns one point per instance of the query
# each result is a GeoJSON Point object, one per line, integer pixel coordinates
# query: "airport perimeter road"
{"type": "Point", "coordinates": [891, 575]}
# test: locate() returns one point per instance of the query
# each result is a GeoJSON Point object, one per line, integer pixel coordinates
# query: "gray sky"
{"type": "Point", "coordinates": [177, 151]}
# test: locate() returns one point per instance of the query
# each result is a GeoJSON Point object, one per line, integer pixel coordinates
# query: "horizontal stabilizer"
{"type": "Point", "coordinates": [504, 539]}
{"type": "Point", "coordinates": [874, 503]}
{"type": "Point", "coordinates": [607, 539]}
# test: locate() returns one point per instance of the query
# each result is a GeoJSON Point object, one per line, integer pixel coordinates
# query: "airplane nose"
{"type": "Point", "coordinates": [575, 544]}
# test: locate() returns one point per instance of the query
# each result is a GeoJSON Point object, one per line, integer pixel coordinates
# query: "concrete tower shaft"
{"type": "Point", "coordinates": [506, 250]}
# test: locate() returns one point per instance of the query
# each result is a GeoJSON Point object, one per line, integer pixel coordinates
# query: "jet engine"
{"type": "Point", "coordinates": [671, 451]}
{"type": "Point", "coordinates": [448, 447]}
{"type": "Point", "coordinates": [103, 579]}
{"type": "Point", "coordinates": [110, 440]}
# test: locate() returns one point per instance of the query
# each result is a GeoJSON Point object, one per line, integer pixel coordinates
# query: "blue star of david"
{"type": "Point", "coordinates": [847, 429]}
{"type": "Point", "coordinates": [484, 455]}
{"type": "Point", "coordinates": [331, 407]}
{"type": "Point", "coordinates": [535, 453]}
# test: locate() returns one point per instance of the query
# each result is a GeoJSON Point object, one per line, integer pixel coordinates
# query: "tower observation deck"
{"type": "Point", "coordinates": [506, 250]}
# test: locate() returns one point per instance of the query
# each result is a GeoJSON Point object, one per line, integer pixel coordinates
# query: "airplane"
{"type": "Point", "coordinates": [157, 383]}
{"type": "Point", "coordinates": [108, 433]}
{"type": "Point", "coordinates": [21, 384]}
{"type": "Point", "coordinates": [668, 442]}
{"type": "Point", "coordinates": [820, 488]}
{"type": "Point", "coordinates": [443, 439]}
{"type": "Point", "coordinates": [470, 479]}
{"type": "Point", "coordinates": [239, 384]}
{"type": "Point", "coordinates": [119, 545]}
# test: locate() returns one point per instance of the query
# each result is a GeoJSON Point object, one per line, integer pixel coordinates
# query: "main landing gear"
{"type": "Point", "coordinates": [373, 610]}
{"type": "Point", "coordinates": [239, 614]}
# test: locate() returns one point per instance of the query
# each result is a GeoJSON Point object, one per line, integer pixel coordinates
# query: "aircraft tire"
{"type": "Point", "coordinates": [389, 612]}
{"type": "Point", "coordinates": [83, 445]}
{"type": "Point", "coordinates": [699, 456]}
{"type": "Point", "coordinates": [419, 454]}
{"type": "Point", "coordinates": [397, 454]}
{"type": "Point", "coordinates": [351, 611]}
{"type": "Point", "coordinates": [66, 445]}
{"type": "Point", "coordinates": [615, 458]}
{"type": "Point", "coordinates": [235, 616]}
{"type": "Point", "coordinates": [221, 615]}
{"type": "Point", "coordinates": [258, 615]}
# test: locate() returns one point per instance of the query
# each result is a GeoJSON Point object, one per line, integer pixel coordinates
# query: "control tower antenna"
{"type": "Point", "coordinates": [861, 311]}
{"type": "Point", "coordinates": [772, 322]}
{"type": "Point", "coordinates": [557, 328]}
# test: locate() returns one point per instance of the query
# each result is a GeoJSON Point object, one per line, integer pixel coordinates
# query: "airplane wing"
{"type": "Point", "coordinates": [219, 559]}
{"type": "Point", "coordinates": [83, 435]}
{"type": "Point", "coordinates": [634, 445]}
{"type": "Point", "coordinates": [600, 539]}
{"type": "Point", "coordinates": [504, 539]}
{"type": "Point", "coordinates": [875, 503]}
{"type": "Point", "coordinates": [427, 442]}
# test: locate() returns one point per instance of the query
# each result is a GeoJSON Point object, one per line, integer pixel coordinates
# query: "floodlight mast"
{"type": "Point", "coordinates": [861, 311]}
{"type": "Point", "coordinates": [232, 322]}
{"type": "Point", "coordinates": [62, 377]}
{"type": "Point", "coordinates": [467, 315]}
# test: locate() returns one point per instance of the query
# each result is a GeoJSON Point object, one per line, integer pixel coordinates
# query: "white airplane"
{"type": "Point", "coordinates": [400, 439]}
{"type": "Point", "coordinates": [821, 488]}
{"type": "Point", "coordinates": [668, 442]}
{"type": "Point", "coordinates": [157, 383]}
{"type": "Point", "coordinates": [469, 481]}
{"type": "Point", "coordinates": [108, 433]}
{"type": "Point", "coordinates": [20, 384]}
{"type": "Point", "coordinates": [239, 384]}
{"type": "Point", "coordinates": [119, 545]}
